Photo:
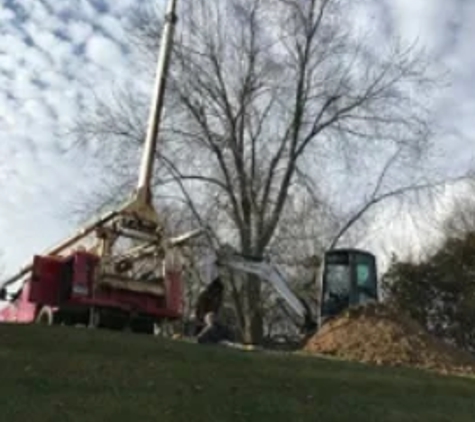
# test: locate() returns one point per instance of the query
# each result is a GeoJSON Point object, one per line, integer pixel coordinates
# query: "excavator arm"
{"type": "Point", "coordinates": [270, 274]}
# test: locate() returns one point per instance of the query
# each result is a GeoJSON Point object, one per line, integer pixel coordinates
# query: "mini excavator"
{"type": "Point", "coordinates": [348, 277]}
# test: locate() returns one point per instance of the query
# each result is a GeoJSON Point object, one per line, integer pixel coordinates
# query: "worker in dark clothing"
{"type": "Point", "coordinates": [209, 303]}
{"type": "Point", "coordinates": [210, 300]}
{"type": "Point", "coordinates": [213, 331]}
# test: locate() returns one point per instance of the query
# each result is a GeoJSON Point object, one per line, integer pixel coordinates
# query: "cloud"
{"type": "Point", "coordinates": [103, 51]}
{"type": "Point", "coordinates": [445, 29]}
{"type": "Point", "coordinates": [52, 52]}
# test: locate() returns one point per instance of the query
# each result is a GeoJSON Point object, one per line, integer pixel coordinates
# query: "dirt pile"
{"type": "Point", "coordinates": [379, 334]}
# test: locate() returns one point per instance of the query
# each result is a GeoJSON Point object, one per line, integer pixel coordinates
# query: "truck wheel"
{"type": "Point", "coordinates": [95, 319]}
{"type": "Point", "coordinates": [44, 316]}
{"type": "Point", "coordinates": [156, 329]}
{"type": "Point", "coordinates": [164, 329]}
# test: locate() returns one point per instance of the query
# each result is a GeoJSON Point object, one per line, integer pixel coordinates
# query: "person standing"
{"type": "Point", "coordinates": [209, 301]}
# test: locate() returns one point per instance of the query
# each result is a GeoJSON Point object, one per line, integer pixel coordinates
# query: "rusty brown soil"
{"type": "Point", "coordinates": [379, 334]}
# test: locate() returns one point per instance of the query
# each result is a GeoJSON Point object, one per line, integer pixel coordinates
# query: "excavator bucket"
{"type": "Point", "coordinates": [349, 279]}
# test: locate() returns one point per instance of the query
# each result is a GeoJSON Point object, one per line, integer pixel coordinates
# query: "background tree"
{"type": "Point", "coordinates": [438, 290]}
{"type": "Point", "coordinates": [269, 103]}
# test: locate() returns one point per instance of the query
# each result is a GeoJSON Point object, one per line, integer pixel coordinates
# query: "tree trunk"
{"type": "Point", "coordinates": [253, 318]}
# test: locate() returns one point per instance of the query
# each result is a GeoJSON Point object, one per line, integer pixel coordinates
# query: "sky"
{"type": "Point", "coordinates": [53, 52]}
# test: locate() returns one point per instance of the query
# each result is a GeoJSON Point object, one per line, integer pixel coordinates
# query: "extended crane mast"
{"type": "Point", "coordinates": [143, 192]}
{"type": "Point", "coordinates": [137, 219]}
{"type": "Point", "coordinates": [141, 202]}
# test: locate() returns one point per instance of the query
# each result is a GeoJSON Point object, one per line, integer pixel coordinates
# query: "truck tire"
{"type": "Point", "coordinates": [44, 316]}
{"type": "Point", "coordinates": [163, 329]}
{"type": "Point", "coordinates": [156, 329]}
{"type": "Point", "coordinates": [94, 320]}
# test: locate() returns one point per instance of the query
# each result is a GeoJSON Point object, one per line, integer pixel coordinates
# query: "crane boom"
{"type": "Point", "coordinates": [146, 168]}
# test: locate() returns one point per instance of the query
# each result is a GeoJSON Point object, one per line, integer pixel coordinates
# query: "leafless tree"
{"type": "Point", "coordinates": [271, 103]}
{"type": "Point", "coordinates": [459, 218]}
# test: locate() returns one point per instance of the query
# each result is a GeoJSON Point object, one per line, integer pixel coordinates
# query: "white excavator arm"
{"type": "Point", "coordinates": [267, 273]}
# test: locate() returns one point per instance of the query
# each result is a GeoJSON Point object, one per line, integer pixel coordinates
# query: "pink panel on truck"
{"type": "Point", "coordinates": [8, 313]}
{"type": "Point", "coordinates": [26, 310]}
{"type": "Point", "coordinates": [21, 310]}
{"type": "Point", "coordinates": [46, 280]}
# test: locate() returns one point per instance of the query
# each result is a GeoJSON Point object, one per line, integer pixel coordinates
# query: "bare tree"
{"type": "Point", "coordinates": [272, 102]}
{"type": "Point", "coordinates": [460, 218]}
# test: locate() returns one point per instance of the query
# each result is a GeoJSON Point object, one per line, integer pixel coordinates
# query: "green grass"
{"type": "Point", "coordinates": [63, 374]}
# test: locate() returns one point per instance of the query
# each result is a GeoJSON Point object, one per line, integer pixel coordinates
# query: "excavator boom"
{"type": "Point", "coordinates": [267, 273]}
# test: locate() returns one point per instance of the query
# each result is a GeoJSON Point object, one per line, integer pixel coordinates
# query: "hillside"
{"type": "Point", "coordinates": [61, 374]}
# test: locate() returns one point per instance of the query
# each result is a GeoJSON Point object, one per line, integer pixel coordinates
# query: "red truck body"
{"type": "Point", "coordinates": [67, 285]}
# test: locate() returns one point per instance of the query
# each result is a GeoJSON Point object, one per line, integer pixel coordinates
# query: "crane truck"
{"type": "Point", "coordinates": [122, 271]}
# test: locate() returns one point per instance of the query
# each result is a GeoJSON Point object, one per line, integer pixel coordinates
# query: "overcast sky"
{"type": "Point", "coordinates": [53, 51]}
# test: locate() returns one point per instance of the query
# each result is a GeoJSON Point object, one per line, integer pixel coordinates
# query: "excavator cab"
{"type": "Point", "coordinates": [349, 278]}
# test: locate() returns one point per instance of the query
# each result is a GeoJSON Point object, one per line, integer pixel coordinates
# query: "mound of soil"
{"type": "Point", "coordinates": [379, 334]}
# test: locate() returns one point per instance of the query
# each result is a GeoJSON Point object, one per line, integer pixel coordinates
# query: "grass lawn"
{"type": "Point", "coordinates": [64, 374]}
